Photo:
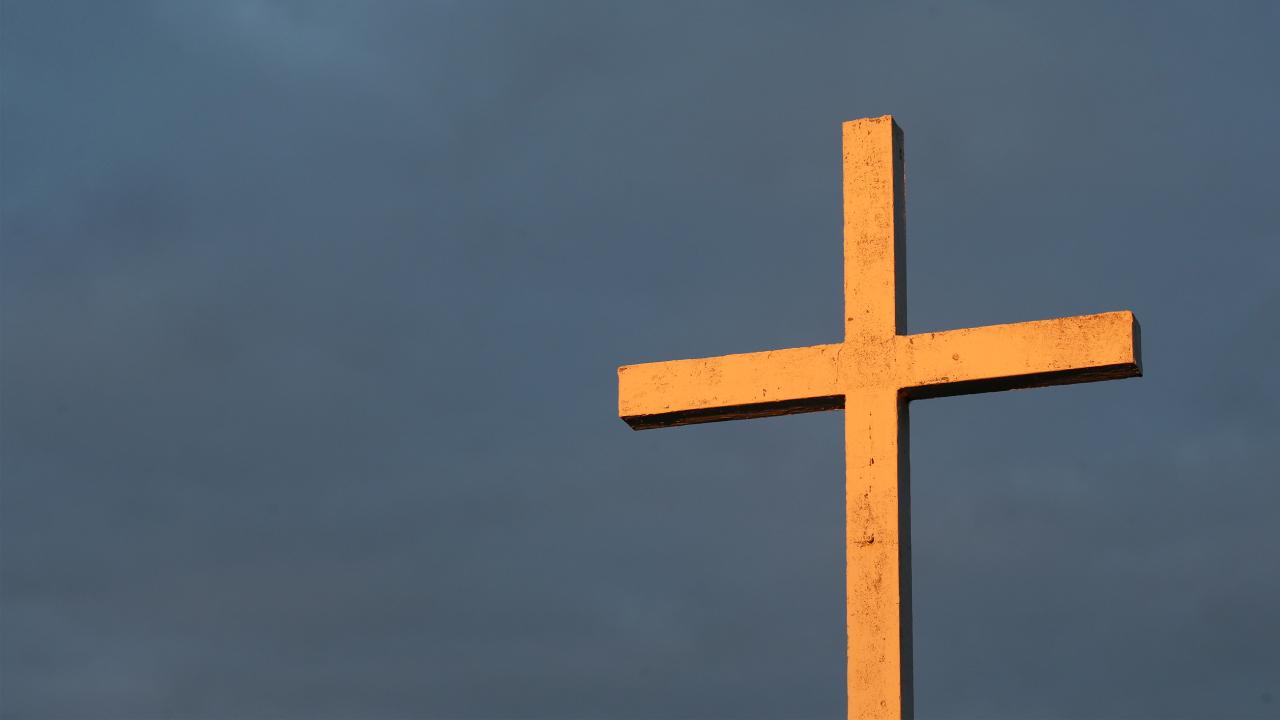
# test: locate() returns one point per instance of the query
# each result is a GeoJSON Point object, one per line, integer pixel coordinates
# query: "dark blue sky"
{"type": "Point", "coordinates": [311, 315]}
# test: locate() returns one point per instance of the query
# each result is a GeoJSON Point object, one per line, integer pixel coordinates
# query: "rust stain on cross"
{"type": "Point", "coordinates": [872, 376]}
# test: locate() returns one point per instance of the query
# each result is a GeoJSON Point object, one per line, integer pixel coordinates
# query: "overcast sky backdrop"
{"type": "Point", "coordinates": [312, 310]}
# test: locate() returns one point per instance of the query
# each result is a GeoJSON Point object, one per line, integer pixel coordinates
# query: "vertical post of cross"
{"type": "Point", "coordinates": [875, 233]}
{"type": "Point", "coordinates": [877, 494]}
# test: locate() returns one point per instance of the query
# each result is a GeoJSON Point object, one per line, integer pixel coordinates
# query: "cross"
{"type": "Point", "coordinates": [872, 376]}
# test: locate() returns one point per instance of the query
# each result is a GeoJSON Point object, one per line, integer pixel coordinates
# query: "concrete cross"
{"type": "Point", "coordinates": [872, 375]}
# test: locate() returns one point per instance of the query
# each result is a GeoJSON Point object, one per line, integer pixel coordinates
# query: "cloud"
{"type": "Point", "coordinates": [311, 311]}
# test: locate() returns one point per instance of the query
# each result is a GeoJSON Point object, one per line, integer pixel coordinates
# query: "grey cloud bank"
{"type": "Point", "coordinates": [311, 313]}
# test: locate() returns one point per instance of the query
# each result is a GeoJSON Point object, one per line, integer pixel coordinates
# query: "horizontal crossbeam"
{"type": "Point", "coordinates": [731, 387]}
{"type": "Point", "coordinates": [1061, 351]}
{"type": "Point", "coordinates": [955, 362]}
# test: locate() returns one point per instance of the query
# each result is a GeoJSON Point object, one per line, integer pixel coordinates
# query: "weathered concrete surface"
{"type": "Point", "coordinates": [873, 374]}
{"type": "Point", "coordinates": [774, 382]}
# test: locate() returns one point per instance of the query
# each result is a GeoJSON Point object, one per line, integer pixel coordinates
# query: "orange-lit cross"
{"type": "Point", "coordinates": [872, 375]}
